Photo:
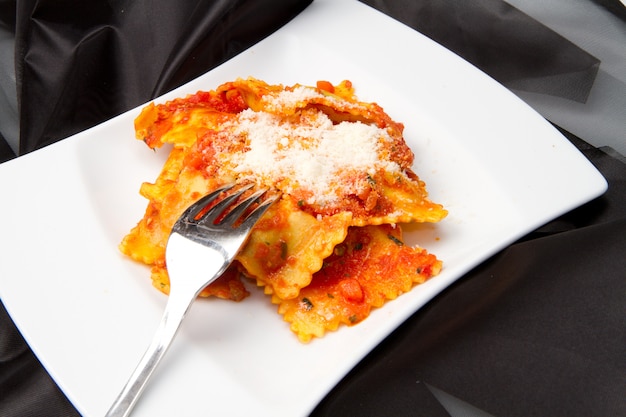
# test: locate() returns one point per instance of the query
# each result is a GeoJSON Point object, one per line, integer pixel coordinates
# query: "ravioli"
{"type": "Point", "coordinates": [342, 168]}
{"type": "Point", "coordinates": [370, 267]}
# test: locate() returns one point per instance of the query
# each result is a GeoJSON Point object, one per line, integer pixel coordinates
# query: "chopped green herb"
{"type": "Point", "coordinates": [358, 246]}
{"type": "Point", "coordinates": [283, 250]}
{"type": "Point", "coordinates": [353, 318]}
{"type": "Point", "coordinates": [330, 295]}
{"type": "Point", "coordinates": [395, 240]}
{"type": "Point", "coordinates": [371, 180]}
{"type": "Point", "coordinates": [419, 270]}
{"type": "Point", "coordinates": [340, 250]}
{"type": "Point", "coordinates": [300, 203]}
{"type": "Point", "coordinates": [308, 305]}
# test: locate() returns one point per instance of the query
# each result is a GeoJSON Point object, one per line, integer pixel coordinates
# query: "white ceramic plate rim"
{"type": "Point", "coordinates": [88, 312]}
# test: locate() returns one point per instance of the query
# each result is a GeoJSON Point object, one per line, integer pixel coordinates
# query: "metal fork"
{"type": "Point", "coordinates": [199, 249]}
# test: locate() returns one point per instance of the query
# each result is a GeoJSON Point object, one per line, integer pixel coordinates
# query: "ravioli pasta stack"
{"type": "Point", "coordinates": [331, 248]}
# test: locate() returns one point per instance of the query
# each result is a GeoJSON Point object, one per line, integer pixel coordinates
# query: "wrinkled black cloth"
{"type": "Point", "coordinates": [504, 42]}
{"type": "Point", "coordinates": [615, 7]}
{"type": "Point", "coordinates": [79, 63]}
{"type": "Point", "coordinates": [539, 329]}
{"type": "Point", "coordinates": [6, 153]}
{"type": "Point", "coordinates": [26, 389]}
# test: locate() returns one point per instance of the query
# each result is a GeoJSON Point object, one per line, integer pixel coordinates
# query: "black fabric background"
{"type": "Point", "coordinates": [79, 63]}
{"type": "Point", "coordinates": [539, 329]}
{"type": "Point", "coordinates": [513, 48]}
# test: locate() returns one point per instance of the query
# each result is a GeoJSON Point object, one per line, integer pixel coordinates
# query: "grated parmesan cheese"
{"type": "Point", "coordinates": [287, 99]}
{"type": "Point", "coordinates": [314, 154]}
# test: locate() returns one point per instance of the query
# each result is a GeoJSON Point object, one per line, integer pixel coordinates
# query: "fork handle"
{"type": "Point", "coordinates": [169, 325]}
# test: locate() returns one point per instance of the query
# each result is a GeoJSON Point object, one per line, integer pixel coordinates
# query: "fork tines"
{"type": "Point", "coordinates": [225, 212]}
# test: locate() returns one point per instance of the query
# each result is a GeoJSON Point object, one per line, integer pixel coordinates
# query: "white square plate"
{"type": "Point", "coordinates": [88, 312]}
